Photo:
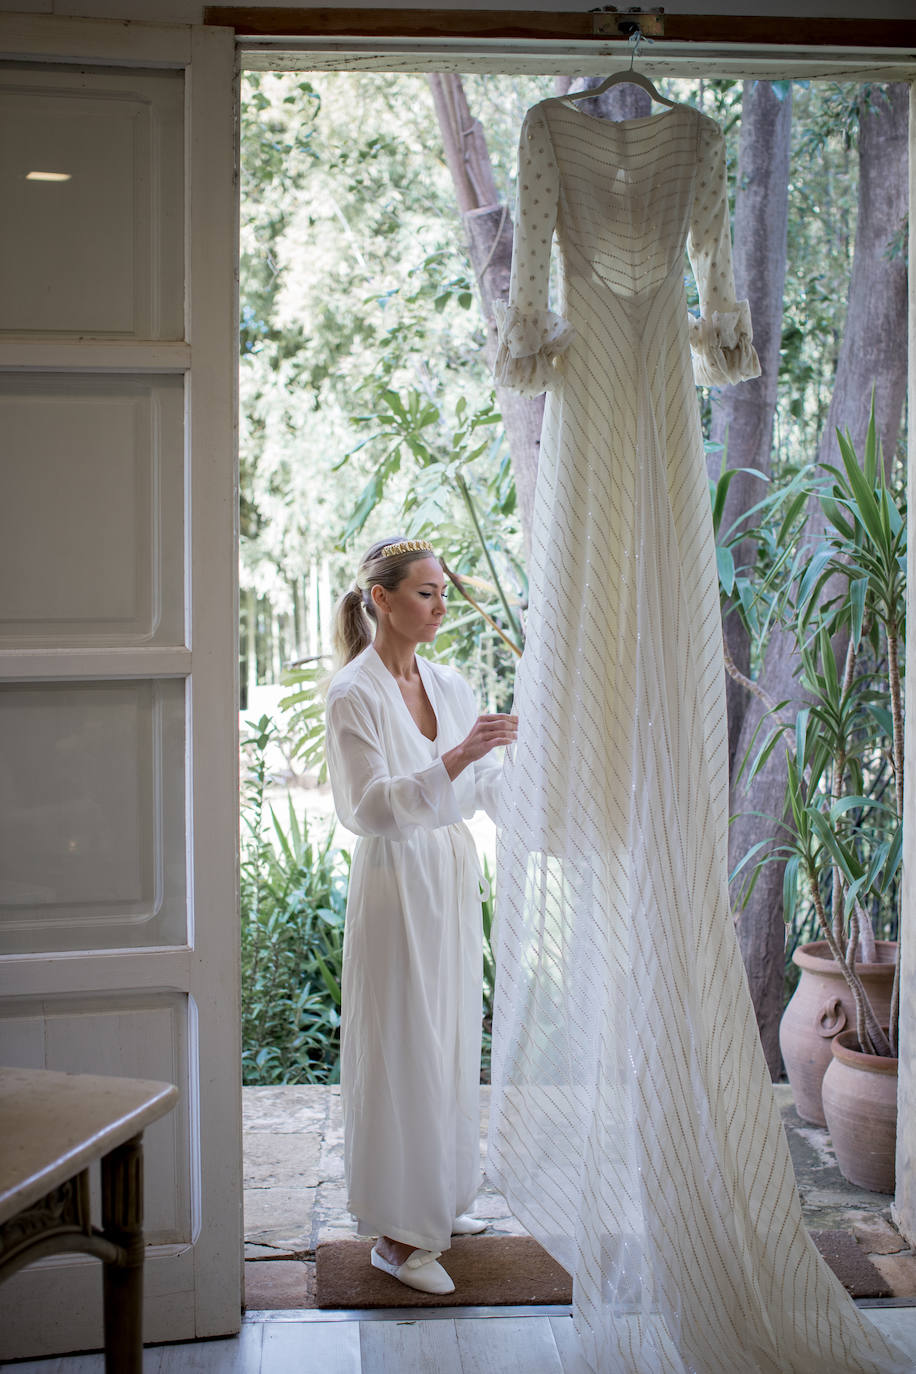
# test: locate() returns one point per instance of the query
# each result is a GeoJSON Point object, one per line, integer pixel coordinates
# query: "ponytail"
{"type": "Point", "coordinates": [352, 630]}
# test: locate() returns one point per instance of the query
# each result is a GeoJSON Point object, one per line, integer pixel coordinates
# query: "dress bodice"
{"type": "Point", "coordinates": [625, 195]}
{"type": "Point", "coordinates": [625, 199]}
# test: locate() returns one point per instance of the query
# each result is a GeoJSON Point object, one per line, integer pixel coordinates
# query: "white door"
{"type": "Point", "coordinates": [118, 663]}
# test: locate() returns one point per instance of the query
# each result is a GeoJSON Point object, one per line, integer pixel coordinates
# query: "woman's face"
{"type": "Point", "coordinates": [416, 607]}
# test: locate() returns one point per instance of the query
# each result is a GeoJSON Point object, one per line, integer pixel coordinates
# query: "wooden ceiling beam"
{"type": "Point", "coordinates": [391, 24]}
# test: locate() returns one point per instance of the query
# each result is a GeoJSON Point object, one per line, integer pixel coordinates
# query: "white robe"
{"type": "Point", "coordinates": [412, 967]}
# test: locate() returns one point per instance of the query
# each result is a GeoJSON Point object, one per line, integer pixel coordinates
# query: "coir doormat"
{"type": "Point", "coordinates": [851, 1265]}
{"type": "Point", "coordinates": [487, 1271]}
{"type": "Point", "coordinates": [514, 1271]}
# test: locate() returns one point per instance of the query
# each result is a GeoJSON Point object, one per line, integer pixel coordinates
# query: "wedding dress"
{"type": "Point", "coordinates": [633, 1125]}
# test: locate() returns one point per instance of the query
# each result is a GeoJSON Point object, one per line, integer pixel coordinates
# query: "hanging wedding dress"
{"type": "Point", "coordinates": [633, 1127]}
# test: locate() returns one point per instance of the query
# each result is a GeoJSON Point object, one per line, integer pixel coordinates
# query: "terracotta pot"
{"type": "Point", "coordinates": [822, 1007]}
{"type": "Point", "coordinates": [860, 1103]}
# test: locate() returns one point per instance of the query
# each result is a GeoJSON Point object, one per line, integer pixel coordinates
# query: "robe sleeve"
{"type": "Point", "coordinates": [368, 800]}
{"type": "Point", "coordinates": [721, 338]}
{"type": "Point", "coordinates": [487, 771]}
{"type": "Point", "coordinates": [532, 338]}
{"type": "Point", "coordinates": [488, 786]}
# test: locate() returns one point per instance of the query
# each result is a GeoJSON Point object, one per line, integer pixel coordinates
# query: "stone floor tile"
{"type": "Point", "coordinates": [285, 1110]}
{"type": "Point", "coordinates": [492, 1206]}
{"type": "Point", "coordinates": [877, 1236]}
{"type": "Point", "coordinates": [332, 1196]}
{"type": "Point", "coordinates": [274, 1160]}
{"type": "Point", "coordinates": [280, 1217]}
{"type": "Point", "coordinates": [899, 1271]}
{"type": "Point", "coordinates": [279, 1284]}
{"type": "Point", "coordinates": [267, 1252]}
{"type": "Point", "coordinates": [506, 1226]}
{"type": "Point", "coordinates": [304, 1197]}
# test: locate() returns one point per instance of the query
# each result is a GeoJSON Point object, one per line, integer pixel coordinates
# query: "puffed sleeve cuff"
{"type": "Point", "coordinates": [723, 352]}
{"type": "Point", "coordinates": [531, 344]}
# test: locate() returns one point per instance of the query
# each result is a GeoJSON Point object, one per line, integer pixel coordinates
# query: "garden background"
{"type": "Point", "coordinates": [376, 230]}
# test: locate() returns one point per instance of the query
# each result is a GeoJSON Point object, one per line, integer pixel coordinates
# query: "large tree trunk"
{"type": "Point", "coordinates": [743, 415]}
{"type": "Point", "coordinates": [873, 354]}
{"type": "Point", "coordinates": [873, 351]}
{"type": "Point", "coordinates": [742, 420]}
{"type": "Point", "coordinates": [489, 234]}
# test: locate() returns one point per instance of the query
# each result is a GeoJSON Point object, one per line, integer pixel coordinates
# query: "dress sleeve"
{"type": "Point", "coordinates": [531, 337]}
{"type": "Point", "coordinates": [368, 800]}
{"type": "Point", "coordinates": [720, 339]}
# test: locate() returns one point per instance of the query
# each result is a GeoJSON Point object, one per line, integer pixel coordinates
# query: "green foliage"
{"type": "Point", "coordinates": [488, 911]}
{"type": "Point", "coordinates": [844, 595]}
{"type": "Point", "coordinates": [444, 458]}
{"type": "Point", "coordinates": [293, 902]}
{"type": "Point", "coordinates": [305, 721]}
{"type": "Point", "coordinates": [354, 281]}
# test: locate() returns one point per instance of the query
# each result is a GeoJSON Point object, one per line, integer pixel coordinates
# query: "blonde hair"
{"type": "Point", "coordinates": [356, 614]}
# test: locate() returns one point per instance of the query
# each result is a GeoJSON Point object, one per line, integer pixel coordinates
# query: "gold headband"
{"type": "Point", "coordinates": [408, 546]}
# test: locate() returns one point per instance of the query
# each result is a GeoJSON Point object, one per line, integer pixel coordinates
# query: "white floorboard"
{"type": "Point", "coordinates": [472, 1345]}
{"type": "Point", "coordinates": [564, 1333]}
{"type": "Point", "coordinates": [394, 1347]}
{"type": "Point", "coordinates": [507, 1345]}
{"type": "Point", "coordinates": [239, 1354]}
{"type": "Point", "coordinates": [899, 1323]}
{"type": "Point", "coordinates": [329, 1347]}
{"type": "Point", "coordinates": [62, 1364]}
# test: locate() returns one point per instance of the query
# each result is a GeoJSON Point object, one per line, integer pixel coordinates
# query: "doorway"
{"type": "Point", "coordinates": [436, 279]}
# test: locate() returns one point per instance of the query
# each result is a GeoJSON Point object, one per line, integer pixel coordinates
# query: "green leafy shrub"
{"type": "Point", "coordinates": [294, 891]}
{"type": "Point", "coordinates": [843, 597]}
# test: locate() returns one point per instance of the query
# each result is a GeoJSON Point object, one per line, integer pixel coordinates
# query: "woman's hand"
{"type": "Point", "coordinates": [488, 732]}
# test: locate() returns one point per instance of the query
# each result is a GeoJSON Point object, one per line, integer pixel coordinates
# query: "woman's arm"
{"type": "Point", "coordinates": [368, 799]}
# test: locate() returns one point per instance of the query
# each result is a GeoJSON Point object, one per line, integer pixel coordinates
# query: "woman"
{"type": "Point", "coordinates": [409, 757]}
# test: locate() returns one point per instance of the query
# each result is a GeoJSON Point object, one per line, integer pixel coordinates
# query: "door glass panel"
{"type": "Point", "coordinates": [92, 517]}
{"type": "Point", "coordinates": [91, 181]}
{"type": "Point", "coordinates": [92, 810]}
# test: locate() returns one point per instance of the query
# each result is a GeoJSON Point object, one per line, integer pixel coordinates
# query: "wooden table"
{"type": "Point", "coordinates": [52, 1127]}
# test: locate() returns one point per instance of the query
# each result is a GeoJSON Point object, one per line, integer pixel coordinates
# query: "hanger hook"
{"type": "Point", "coordinates": [634, 40]}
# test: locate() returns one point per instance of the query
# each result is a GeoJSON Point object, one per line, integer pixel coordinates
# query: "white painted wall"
{"type": "Point", "coordinates": [191, 11]}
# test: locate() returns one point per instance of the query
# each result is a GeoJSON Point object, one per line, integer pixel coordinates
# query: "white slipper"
{"type": "Point", "coordinates": [467, 1225]}
{"type": "Point", "coordinates": [419, 1271]}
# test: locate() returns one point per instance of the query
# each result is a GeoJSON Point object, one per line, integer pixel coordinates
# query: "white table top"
{"type": "Point", "coordinates": [53, 1124]}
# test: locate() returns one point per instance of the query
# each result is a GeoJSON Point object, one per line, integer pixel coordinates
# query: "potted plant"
{"type": "Point", "coordinates": [842, 828]}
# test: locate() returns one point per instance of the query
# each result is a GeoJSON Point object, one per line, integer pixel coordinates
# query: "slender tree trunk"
{"type": "Point", "coordinates": [742, 420]}
{"type": "Point", "coordinates": [489, 236]}
{"type": "Point", "coordinates": [872, 354]}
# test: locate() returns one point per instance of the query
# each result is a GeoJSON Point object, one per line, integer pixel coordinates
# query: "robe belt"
{"type": "Point", "coordinates": [469, 866]}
